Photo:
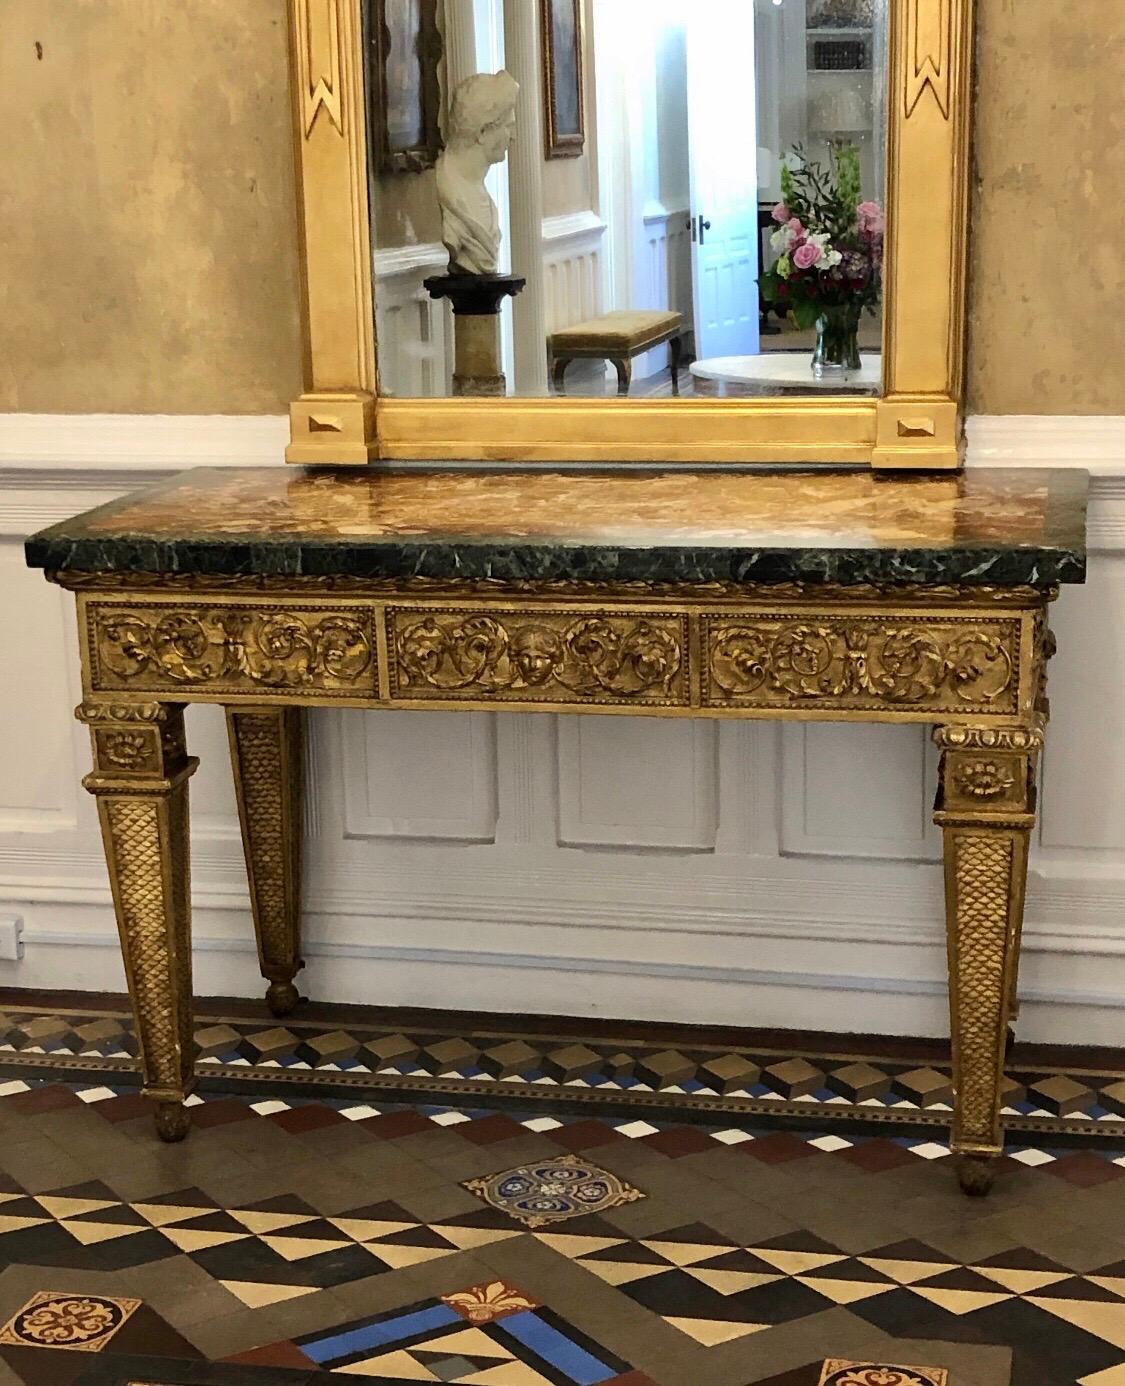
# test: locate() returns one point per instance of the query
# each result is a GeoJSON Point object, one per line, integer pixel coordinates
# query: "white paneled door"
{"type": "Point", "coordinates": [722, 119]}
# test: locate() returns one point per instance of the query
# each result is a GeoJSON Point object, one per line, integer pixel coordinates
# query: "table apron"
{"type": "Point", "coordinates": [977, 659]}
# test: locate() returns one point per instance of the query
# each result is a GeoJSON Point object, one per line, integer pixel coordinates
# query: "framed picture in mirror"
{"type": "Point", "coordinates": [840, 14]}
{"type": "Point", "coordinates": [404, 94]}
{"type": "Point", "coordinates": [564, 115]}
{"type": "Point", "coordinates": [761, 257]}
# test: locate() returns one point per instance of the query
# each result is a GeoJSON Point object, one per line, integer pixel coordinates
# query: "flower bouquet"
{"type": "Point", "coordinates": [829, 246]}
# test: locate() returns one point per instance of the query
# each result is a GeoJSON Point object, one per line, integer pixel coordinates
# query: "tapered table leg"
{"type": "Point", "coordinates": [267, 756]}
{"type": "Point", "coordinates": [140, 780]}
{"type": "Point", "coordinates": [986, 809]}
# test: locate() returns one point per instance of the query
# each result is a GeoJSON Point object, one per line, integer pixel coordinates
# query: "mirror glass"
{"type": "Point", "coordinates": [639, 198]}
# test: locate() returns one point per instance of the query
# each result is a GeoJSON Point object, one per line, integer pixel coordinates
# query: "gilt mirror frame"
{"type": "Point", "coordinates": [915, 422]}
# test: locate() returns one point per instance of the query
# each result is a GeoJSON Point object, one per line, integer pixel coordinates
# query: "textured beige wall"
{"type": "Point", "coordinates": [147, 224]}
{"type": "Point", "coordinates": [1048, 289]}
{"type": "Point", "coordinates": [149, 249]}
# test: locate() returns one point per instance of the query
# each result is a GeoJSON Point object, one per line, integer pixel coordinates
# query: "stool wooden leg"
{"type": "Point", "coordinates": [624, 374]}
{"type": "Point", "coordinates": [267, 757]}
{"type": "Point", "coordinates": [140, 780]}
{"type": "Point", "coordinates": [986, 809]}
{"type": "Point", "coordinates": [677, 347]}
{"type": "Point", "coordinates": [558, 373]}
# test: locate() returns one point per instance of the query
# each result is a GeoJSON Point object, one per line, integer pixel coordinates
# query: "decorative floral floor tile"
{"type": "Point", "coordinates": [71, 1322]}
{"type": "Point", "coordinates": [553, 1191]}
{"type": "Point", "coordinates": [837, 1373]}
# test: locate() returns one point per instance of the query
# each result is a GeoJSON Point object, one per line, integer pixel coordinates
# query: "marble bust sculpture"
{"type": "Point", "coordinates": [482, 121]}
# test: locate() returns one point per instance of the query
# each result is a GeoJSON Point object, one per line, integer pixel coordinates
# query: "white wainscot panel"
{"type": "Point", "coordinates": [572, 248]}
{"type": "Point", "coordinates": [665, 275]}
{"type": "Point", "coordinates": [415, 330]}
{"type": "Point", "coordinates": [859, 791]}
{"type": "Point", "coordinates": [420, 775]}
{"type": "Point", "coordinates": [1083, 806]}
{"type": "Point", "coordinates": [38, 784]}
{"type": "Point", "coordinates": [213, 809]}
{"type": "Point", "coordinates": [638, 782]}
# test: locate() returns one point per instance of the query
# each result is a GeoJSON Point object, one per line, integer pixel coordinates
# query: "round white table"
{"type": "Point", "coordinates": [783, 373]}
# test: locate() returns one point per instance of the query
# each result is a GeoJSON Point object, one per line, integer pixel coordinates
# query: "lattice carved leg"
{"type": "Point", "coordinates": [986, 809]}
{"type": "Point", "coordinates": [267, 755]}
{"type": "Point", "coordinates": [140, 780]}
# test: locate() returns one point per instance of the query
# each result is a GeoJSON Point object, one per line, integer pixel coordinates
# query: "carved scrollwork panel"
{"type": "Point", "coordinates": [860, 663]}
{"type": "Point", "coordinates": [222, 649]}
{"type": "Point", "coordinates": [547, 657]}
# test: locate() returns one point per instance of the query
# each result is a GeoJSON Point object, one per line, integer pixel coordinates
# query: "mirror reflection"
{"type": "Point", "coordinates": [641, 198]}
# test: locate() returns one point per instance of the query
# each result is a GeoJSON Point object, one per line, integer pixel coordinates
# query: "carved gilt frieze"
{"type": "Point", "coordinates": [230, 649]}
{"type": "Point", "coordinates": [859, 663]}
{"type": "Point", "coordinates": [545, 657]}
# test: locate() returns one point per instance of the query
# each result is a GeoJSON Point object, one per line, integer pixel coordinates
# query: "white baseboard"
{"type": "Point", "coordinates": [909, 1000]}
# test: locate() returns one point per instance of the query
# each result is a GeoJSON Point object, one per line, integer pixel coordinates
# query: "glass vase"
{"type": "Point", "coordinates": [837, 341]}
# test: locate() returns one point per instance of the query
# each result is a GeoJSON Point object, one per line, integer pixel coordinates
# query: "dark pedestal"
{"type": "Point", "coordinates": [476, 299]}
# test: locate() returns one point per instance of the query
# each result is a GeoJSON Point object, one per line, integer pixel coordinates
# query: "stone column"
{"type": "Point", "coordinates": [522, 49]}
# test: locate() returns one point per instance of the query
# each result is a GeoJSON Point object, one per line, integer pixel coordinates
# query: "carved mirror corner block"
{"type": "Point", "coordinates": [917, 75]}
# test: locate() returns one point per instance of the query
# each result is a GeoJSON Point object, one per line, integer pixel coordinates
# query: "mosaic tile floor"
{"type": "Point", "coordinates": [559, 1071]}
{"type": "Point", "coordinates": [301, 1233]}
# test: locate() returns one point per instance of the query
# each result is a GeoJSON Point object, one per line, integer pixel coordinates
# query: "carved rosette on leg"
{"type": "Point", "coordinates": [267, 756]}
{"type": "Point", "coordinates": [986, 810]}
{"type": "Point", "coordinates": [141, 770]}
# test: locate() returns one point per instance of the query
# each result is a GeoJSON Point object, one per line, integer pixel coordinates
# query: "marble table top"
{"type": "Point", "coordinates": [983, 526]}
{"type": "Point", "coordinates": [787, 372]}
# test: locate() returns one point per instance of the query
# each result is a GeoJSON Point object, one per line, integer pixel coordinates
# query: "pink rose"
{"type": "Point", "coordinates": [794, 225]}
{"type": "Point", "coordinates": [781, 214]}
{"type": "Point", "coordinates": [806, 255]}
{"type": "Point", "coordinates": [871, 219]}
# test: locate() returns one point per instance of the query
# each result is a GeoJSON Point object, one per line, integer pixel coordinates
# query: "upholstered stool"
{"type": "Point", "coordinates": [618, 337]}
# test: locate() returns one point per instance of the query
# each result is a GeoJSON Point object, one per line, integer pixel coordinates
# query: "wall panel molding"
{"type": "Point", "coordinates": [572, 267]}
{"type": "Point", "coordinates": [636, 786]}
{"type": "Point", "coordinates": [406, 314]}
{"type": "Point", "coordinates": [415, 775]}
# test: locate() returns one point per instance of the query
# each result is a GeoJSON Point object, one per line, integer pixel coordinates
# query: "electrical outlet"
{"type": "Point", "coordinates": [11, 938]}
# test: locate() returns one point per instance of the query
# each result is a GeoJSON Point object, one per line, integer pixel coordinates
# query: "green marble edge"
{"type": "Point", "coordinates": [67, 546]}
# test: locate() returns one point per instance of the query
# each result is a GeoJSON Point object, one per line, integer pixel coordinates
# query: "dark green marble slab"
{"type": "Point", "coordinates": [996, 526]}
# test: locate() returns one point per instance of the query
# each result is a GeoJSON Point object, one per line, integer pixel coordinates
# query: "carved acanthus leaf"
{"type": "Point", "coordinates": [861, 662]}
{"type": "Point", "coordinates": [230, 648]}
{"type": "Point", "coordinates": [550, 656]}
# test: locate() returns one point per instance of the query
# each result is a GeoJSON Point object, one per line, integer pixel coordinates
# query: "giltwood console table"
{"type": "Point", "coordinates": [842, 596]}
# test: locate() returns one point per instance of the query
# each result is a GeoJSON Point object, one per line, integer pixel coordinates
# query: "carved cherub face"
{"type": "Point", "coordinates": [535, 652]}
